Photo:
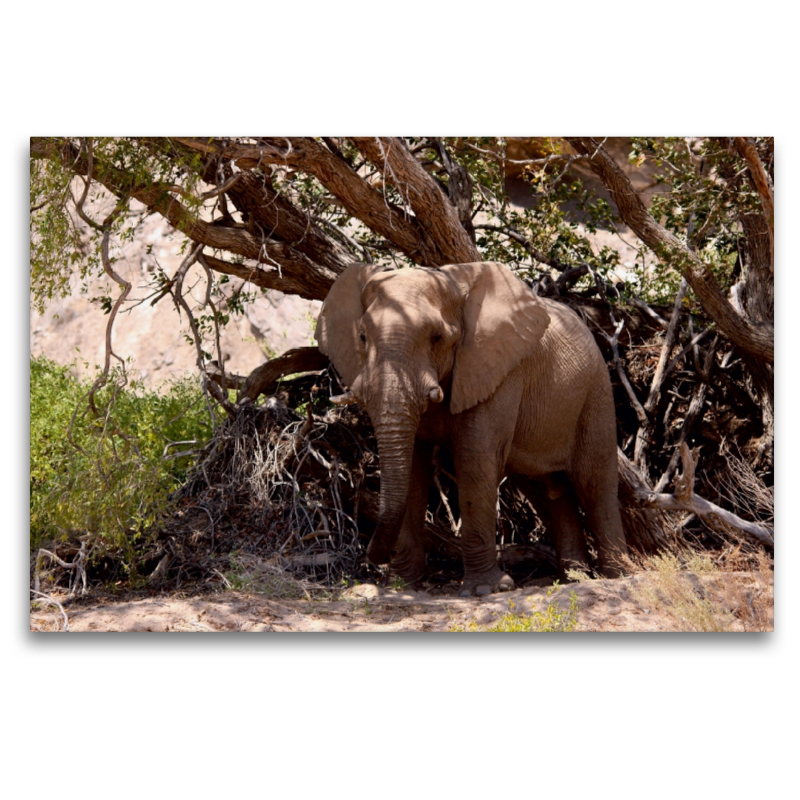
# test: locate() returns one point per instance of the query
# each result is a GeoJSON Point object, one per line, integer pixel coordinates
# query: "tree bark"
{"type": "Point", "coordinates": [263, 379]}
{"type": "Point", "coordinates": [763, 185]}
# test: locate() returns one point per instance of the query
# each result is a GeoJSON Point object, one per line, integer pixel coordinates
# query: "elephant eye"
{"type": "Point", "coordinates": [437, 337]}
{"type": "Point", "coordinates": [362, 336]}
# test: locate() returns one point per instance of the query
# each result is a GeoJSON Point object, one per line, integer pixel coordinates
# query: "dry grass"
{"type": "Point", "coordinates": [697, 594]}
{"type": "Point", "coordinates": [270, 577]}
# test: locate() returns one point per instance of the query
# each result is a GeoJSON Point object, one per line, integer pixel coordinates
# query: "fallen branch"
{"type": "Point", "coordinates": [48, 599]}
{"type": "Point", "coordinates": [684, 499]}
{"type": "Point", "coordinates": [646, 430]}
{"type": "Point", "coordinates": [263, 379]}
{"type": "Point", "coordinates": [647, 530]}
{"type": "Point", "coordinates": [694, 413]}
{"type": "Point", "coordinates": [645, 309]}
{"type": "Point", "coordinates": [79, 565]}
{"type": "Point", "coordinates": [613, 342]}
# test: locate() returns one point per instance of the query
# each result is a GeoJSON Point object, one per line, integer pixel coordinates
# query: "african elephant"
{"type": "Point", "coordinates": [468, 357]}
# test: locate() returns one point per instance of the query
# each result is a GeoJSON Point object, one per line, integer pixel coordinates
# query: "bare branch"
{"type": "Point", "coordinates": [642, 306]}
{"type": "Point", "coordinates": [48, 599]}
{"type": "Point", "coordinates": [694, 413]}
{"type": "Point", "coordinates": [637, 406]}
{"type": "Point", "coordinates": [177, 293]}
{"type": "Point", "coordinates": [685, 499]}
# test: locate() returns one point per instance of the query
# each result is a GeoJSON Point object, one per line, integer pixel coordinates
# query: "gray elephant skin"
{"type": "Point", "coordinates": [466, 356]}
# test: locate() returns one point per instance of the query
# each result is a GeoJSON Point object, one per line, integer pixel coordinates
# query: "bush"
{"type": "Point", "coordinates": [107, 480]}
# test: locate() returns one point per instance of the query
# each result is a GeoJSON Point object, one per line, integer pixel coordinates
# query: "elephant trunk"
{"type": "Point", "coordinates": [395, 429]}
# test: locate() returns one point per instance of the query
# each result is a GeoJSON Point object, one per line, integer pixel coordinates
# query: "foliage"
{"type": "Point", "coordinates": [551, 618]}
{"type": "Point", "coordinates": [702, 196]}
{"type": "Point", "coordinates": [138, 167]}
{"type": "Point", "coordinates": [106, 477]}
{"type": "Point", "coordinates": [57, 245]}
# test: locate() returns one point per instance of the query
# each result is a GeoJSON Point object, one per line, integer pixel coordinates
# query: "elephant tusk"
{"type": "Point", "coordinates": [343, 399]}
{"type": "Point", "coordinates": [436, 395]}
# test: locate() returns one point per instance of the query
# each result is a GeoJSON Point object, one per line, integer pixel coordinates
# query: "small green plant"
{"type": "Point", "coordinates": [398, 584]}
{"type": "Point", "coordinates": [551, 618]}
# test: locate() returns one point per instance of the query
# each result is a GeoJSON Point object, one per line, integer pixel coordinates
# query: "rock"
{"type": "Point", "coordinates": [366, 591]}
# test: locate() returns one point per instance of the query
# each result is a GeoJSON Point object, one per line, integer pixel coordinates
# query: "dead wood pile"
{"type": "Point", "coordinates": [296, 481]}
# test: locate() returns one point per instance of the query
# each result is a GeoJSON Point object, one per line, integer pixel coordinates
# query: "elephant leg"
{"type": "Point", "coordinates": [480, 456]}
{"type": "Point", "coordinates": [408, 560]}
{"type": "Point", "coordinates": [556, 503]}
{"type": "Point", "coordinates": [596, 488]}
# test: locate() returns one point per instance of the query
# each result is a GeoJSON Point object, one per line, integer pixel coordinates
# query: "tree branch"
{"type": "Point", "coordinates": [685, 499]}
{"type": "Point", "coordinates": [296, 272]}
{"type": "Point", "coordinates": [435, 214]}
{"type": "Point", "coordinates": [262, 380]}
{"type": "Point", "coordinates": [761, 181]}
{"type": "Point", "coordinates": [755, 339]}
{"type": "Point", "coordinates": [334, 173]}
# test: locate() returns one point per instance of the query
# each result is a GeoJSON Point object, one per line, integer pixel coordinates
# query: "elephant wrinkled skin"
{"type": "Point", "coordinates": [468, 357]}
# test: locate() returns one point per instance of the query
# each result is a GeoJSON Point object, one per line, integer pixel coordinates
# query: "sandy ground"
{"type": "Point", "coordinates": [603, 605]}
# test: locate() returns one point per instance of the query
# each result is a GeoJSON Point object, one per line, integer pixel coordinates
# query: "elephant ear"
{"type": "Point", "coordinates": [337, 325]}
{"type": "Point", "coordinates": [503, 321]}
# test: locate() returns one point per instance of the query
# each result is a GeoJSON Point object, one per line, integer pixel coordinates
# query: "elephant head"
{"type": "Point", "coordinates": [403, 339]}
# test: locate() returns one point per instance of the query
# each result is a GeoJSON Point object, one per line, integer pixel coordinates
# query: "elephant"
{"type": "Point", "coordinates": [468, 357]}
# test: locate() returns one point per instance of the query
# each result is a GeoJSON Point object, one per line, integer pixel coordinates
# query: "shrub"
{"type": "Point", "coordinates": [105, 477]}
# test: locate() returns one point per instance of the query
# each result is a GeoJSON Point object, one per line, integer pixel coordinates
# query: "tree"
{"type": "Point", "coordinates": [291, 213]}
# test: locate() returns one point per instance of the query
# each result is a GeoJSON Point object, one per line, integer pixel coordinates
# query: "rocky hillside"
{"type": "Point", "coordinates": [74, 327]}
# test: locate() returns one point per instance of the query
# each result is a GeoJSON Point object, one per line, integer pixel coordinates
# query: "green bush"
{"type": "Point", "coordinates": [111, 476]}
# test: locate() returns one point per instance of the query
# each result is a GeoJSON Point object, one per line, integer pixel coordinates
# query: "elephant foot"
{"type": "Point", "coordinates": [495, 580]}
{"type": "Point", "coordinates": [378, 552]}
{"type": "Point", "coordinates": [410, 569]}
